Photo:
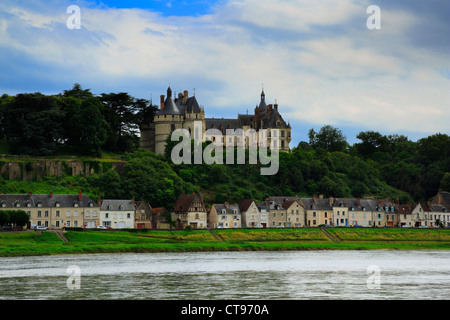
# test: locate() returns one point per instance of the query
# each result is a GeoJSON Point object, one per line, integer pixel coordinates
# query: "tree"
{"type": "Point", "coordinates": [372, 142]}
{"type": "Point", "coordinates": [328, 138]}
{"type": "Point", "coordinates": [4, 217]}
{"type": "Point", "coordinates": [33, 124]}
{"type": "Point", "coordinates": [84, 125]}
{"type": "Point", "coordinates": [18, 218]}
{"type": "Point", "coordinates": [121, 113]}
{"type": "Point", "coordinates": [445, 182]}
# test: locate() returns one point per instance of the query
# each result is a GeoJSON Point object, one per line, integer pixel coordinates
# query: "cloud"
{"type": "Point", "coordinates": [317, 58]}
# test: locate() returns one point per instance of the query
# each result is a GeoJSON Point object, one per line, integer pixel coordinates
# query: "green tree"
{"type": "Point", "coordinates": [121, 113]}
{"type": "Point", "coordinates": [328, 138]}
{"type": "Point", "coordinates": [4, 217]}
{"type": "Point", "coordinates": [18, 218]}
{"type": "Point", "coordinates": [33, 124]}
{"type": "Point", "coordinates": [84, 126]}
{"type": "Point", "coordinates": [445, 182]}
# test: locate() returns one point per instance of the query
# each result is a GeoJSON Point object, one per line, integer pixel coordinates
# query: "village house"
{"type": "Point", "coordinates": [189, 210]}
{"type": "Point", "coordinates": [54, 211]}
{"type": "Point", "coordinates": [144, 214]}
{"type": "Point", "coordinates": [225, 216]}
{"type": "Point", "coordinates": [117, 214]}
{"type": "Point", "coordinates": [295, 214]}
{"type": "Point", "coordinates": [442, 198]}
{"type": "Point", "coordinates": [251, 216]}
{"type": "Point", "coordinates": [429, 215]}
{"type": "Point", "coordinates": [404, 215]}
{"type": "Point", "coordinates": [160, 218]}
{"type": "Point", "coordinates": [277, 214]}
{"type": "Point", "coordinates": [319, 211]}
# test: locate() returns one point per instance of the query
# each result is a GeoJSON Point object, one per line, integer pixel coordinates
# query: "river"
{"type": "Point", "coordinates": [299, 275]}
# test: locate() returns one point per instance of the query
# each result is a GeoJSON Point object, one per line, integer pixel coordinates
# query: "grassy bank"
{"type": "Point", "coordinates": [48, 243]}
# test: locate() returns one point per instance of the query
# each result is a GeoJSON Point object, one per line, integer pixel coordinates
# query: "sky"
{"type": "Point", "coordinates": [317, 59]}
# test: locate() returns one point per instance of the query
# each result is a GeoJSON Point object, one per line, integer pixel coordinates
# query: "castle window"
{"type": "Point", "coordinates": [172, 127]}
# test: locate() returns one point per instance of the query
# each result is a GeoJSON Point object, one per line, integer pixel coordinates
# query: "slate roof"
{"type": "Point", "coordinates": [229, 209]}
{"type": "Point", "coordinates": [46, 200]}
{"type": "Point", "coordinates": [115, 205]}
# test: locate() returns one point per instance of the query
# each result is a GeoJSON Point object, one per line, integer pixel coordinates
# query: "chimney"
{"type": "Point", "coordinates": [358, 202]}
{"type": "Point", "coordinates": [132, 200]}
{"type": "Point", "coordinates": [161, 102]}
{"type": "Point", "coordinates": [330, 200]}
{"type": "Point", "coordinates": [51, 194]}
{"type": "Point", "coordinates": [99, 202]}
{"type": "Point", "coordinates": [180, 95]}
{"type": "Point", "coordinates": [275, 106]}
{"type": "Point", "coordinates": [398, 201]}
{"type": "Point", "coordinates": [30, 194]}
{"type": "Point", "coordinates": [80, 198]}
{"type": "Point", "coordinates": [227, 204]}
{"type": "Point", "coordinates": [346, 201]}
{"type": "Point", "coordinates": [320, 196]}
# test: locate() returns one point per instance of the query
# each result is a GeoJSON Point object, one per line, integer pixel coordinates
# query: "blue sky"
{"type": "Point", "coordinates": [317, 59]}
{"type": "Point", "coordinates": [166, 8]}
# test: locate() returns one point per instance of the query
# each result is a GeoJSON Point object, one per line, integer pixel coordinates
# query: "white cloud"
{"type": "Point", "coordinates": [316, 58]}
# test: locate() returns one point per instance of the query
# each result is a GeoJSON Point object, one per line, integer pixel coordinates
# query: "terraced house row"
{"type": "Point", "coordinates": [57, 211]}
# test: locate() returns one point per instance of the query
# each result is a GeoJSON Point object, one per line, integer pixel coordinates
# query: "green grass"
{"type": "Point", "coordinates": [386, 234]}
{"type": "Point", "coordinates": [47, 243]}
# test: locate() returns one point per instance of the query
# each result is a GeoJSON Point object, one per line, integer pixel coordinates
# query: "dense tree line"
{"type": "Point", "coordinates": [73, 122]}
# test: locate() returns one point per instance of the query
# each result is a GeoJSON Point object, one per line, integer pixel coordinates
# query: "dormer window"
{"type": "Point", "coordinates": [109, 207]}
{"type": "Point", "coordinates": [121, 207]}
{"type": "Point", "coordinates": [39, 205]}
{"type": "Point", "coordinates": [91, 204]}
{"type": "Point", "coordinates": [3, 204]}
{"type": "Point", "coordinates": [57, 204]}
{"type": "Point", "coordinates": [75, 204]}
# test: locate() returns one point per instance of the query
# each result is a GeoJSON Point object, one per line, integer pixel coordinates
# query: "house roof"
{"type": "Point", "coordinates": [46, 200]}
{"type": "Point", "coordinates": [404, 208]}
{"type": "Point", "coordinates": [116, 203]}
{"type": "Point", "coordinates": [245, 204]}
{"type": "Point", "coordinates": [229, 208]}
{"type": "Point", "coordinates": [287, 204]}
{"type": "Point", "coordinates": [185, 201]}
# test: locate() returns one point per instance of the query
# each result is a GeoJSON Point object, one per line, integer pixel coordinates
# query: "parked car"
{"type": "Point", "coordinates": [102, 227]}
{"type": "Point", "coordinates": [40, 228]}
{"type": "Point", "coordinates": [423, 227]}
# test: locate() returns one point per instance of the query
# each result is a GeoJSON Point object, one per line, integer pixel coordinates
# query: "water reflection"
{"type": "Point", "coordinates": [230, 275]}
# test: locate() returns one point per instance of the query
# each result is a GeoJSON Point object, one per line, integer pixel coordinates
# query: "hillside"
{"type": "Point", "coordinates": [54, 148]}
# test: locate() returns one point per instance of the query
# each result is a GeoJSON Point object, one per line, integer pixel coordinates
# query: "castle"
{"type": "Point", "coordinates": [182, 111]}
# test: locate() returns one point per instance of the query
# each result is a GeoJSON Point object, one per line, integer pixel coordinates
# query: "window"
{"type": "Point", "coordinates": [75, 213]}
{"type": "Point", "coordinates": [46, 213]}
{"type": "Point", "coordinates": [68, 213]}
{"type": "Point", "coordinates": [129, 216]}
{"type": "Point", "coordinates": [57, 224]}
{"type": "Point", "coordinates": [57, 204]}
{"type": "Point", "coordinates": [75, 223]}
{"type": "Point", "coordinates": [68, 223]}
{"type": "Point", "coordinates": [39, 214]}
{"type": "Point", "coordinates": [235, 217]}
{"type": "Point", "coordinates": [95, 213]}
{"type": "Point", "coordinates": [106, 215]}
{"type": "Point", "coordinates": [88, 214]}
{"type": "Point", "coordinates": [224, 217]}
{"type": "Point", "coordinates": [57, 213]}
{"type": "Point", "coordinates": [314, 214]}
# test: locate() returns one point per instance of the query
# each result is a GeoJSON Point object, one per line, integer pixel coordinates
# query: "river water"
{"type": "Point", "coordinates": [286, 275]}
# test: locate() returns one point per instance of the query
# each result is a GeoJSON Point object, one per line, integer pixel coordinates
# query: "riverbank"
{"type": "Point", "coordinates": [102, 241]}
